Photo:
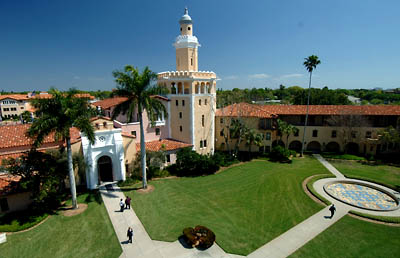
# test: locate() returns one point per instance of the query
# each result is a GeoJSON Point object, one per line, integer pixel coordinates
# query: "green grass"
{"type": "Point", "coordinates": [246, 205]}
{"type": "Point", "coordinates": [20, 220]}
{"type": "Point", "coordinates": [350, 237]}
{"type": "Point", "coordinates": [378, 218]}
{"type": "Point", "coordinates": [342, 156]}
{"type": "Point", "coordinates": [381, 174]}
{"type": "Point", "coordinates": [89, 234]}
{"type": "Point", "coordinates": [313, 191]}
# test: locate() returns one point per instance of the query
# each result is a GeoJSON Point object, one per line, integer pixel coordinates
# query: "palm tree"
{"type": "Point", "coordinates": [286, 129]}
{"type": "Point", "coordinates": [237, 130]}
{"type": "Point", "coordinates": [252, 137]}
{"type": "Point", "coordinates": [58, 115]}
{"type": "Point", "coordinates": [139, 90]}
{"type": "Point", "coordinates": [310, 64]}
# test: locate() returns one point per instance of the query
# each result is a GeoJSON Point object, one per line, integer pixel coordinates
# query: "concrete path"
{"type": "Point", "coordinates": [142, 245]}
{"type": "Point", "coordinates": [296, 237]}
{"type": "Point", "coordinates": [328, 165]}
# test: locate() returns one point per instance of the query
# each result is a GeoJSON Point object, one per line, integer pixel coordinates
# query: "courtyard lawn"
{"type": "Point", "coordinates": [388, 175]}
{"type": "Point", "coordinates": [89, 234]}
{"type": "Point", "coordinates": [246, 206]}
{"type": "Point", "coordinates": [350, 237]}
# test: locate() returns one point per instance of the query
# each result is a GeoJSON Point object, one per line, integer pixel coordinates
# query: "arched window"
{"type": "Point", "coordinates": [180, 89]}
{"type": "Point", "coordinates": [173, 88]}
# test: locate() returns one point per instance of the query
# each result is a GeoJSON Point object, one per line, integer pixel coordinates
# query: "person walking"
{"type": "Point", "coordinates": [128, 202]}
{"type": "Point", "coordinates": [121, 205]}
{"type": "Point", "coordinates": [129, 234]}
{"type": "Point", "coordinates": [332, 210]}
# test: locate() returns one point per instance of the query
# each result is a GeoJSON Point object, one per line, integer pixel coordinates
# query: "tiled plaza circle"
{"type": "Point", "coordinates": [362, 195]}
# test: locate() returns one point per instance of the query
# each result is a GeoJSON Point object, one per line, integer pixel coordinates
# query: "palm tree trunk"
{"type": "Point", "coordinates": [305, 122]}
{"type": "Point", "coordinates": [71, 174]}
{"type": "Point", "coordinates": [142, 148]}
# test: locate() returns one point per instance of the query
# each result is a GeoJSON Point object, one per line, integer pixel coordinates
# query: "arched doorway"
{"type": "Point", "coordinates": [314, 146]}
{"type": "Point", "coordinates": [295, 145]}
{"type": "Point", "coordinates": [352, 148]}
{"type": "Point", "coordinates": [332, 147]}
{"type": "Point", "coordinates": [104, 167]}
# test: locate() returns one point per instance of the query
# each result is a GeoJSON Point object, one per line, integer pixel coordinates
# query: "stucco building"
{"type": "Point", "coordinates": [333, 128]}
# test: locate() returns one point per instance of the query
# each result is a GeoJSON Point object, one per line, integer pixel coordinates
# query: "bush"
{"type": "Point", "coordinates": [128, 182]}
{"type": "Point", "coordinates": [280, 154]}
{"type": "Point", "coordinates": [224, 159]}
{"type": "Point", "coordinates": [190, 163]}
{"type": "Point", "coordinates": [200, 237]}
{"type": "Point", "coordinates": [20, 220]}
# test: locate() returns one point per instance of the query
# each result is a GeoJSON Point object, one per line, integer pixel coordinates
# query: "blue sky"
{"type": "Point", "coordinates": [247, 43]}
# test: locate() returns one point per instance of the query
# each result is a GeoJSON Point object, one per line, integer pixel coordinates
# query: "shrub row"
{"type": "Point", "coordinates": [190, 163]}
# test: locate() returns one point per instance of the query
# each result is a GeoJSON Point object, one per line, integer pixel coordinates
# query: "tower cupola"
{"type": "Point", "coordinates": [186, 45]}
{"type": "Point", "coordinates": [185, 18]}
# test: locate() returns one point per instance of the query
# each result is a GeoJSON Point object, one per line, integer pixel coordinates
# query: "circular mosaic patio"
{"type": "Point", "coordinates": [362, 196]}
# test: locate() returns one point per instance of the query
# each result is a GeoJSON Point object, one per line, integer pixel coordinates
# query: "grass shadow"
{"type": "Point", "coordinates": [94, 196]}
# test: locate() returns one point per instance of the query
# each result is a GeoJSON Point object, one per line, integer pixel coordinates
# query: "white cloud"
{"type": "Point", "coordinates": [231, 77]}
{"type": "Point", "coordinates": [76, 77]}
{"type": "Point", "coordinates": [292, 75]}
{"type": "Point", "coordinates": [259, 76]}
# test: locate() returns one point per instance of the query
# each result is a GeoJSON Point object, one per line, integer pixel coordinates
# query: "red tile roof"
{"type": "Point", "coordinates": [14, 136]}
{"type": "Point", "coordinates": [128, 135]}
{"type": "Point", "coordinates": [160, 97]}
{"type": "Point", "coordinates": [267, 111]}
{"type": "Point", "coordinates": [111, 102]}
{"type": "Point", "coordinates": [244, 110]}
{"type": "Point", "coordinates": [165, 144]}
{"type": "Point", "coordinates": [6, 181]}
{"type": "Point", "coordinates": [14, 96]}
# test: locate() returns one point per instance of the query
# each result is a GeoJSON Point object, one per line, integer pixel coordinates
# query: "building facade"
{"type": "Point", "coordinates": [331, 128]}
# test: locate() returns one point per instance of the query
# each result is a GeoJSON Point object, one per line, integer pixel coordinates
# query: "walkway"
{"type": "Point", "coordinates": [282, 246]}
{"type": "Point", "coordinates": [328, 165]}
{"type": "Point", "coordinates": [142, 245]}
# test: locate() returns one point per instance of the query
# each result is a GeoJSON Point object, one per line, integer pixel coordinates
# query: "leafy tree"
{"type": "Point", "coordinates": [310, 63]}
{"type": "Point", "coordinates": [139, 89]}
{"type": "Point", "coordinates": [58, 115]}
{"type": "Point", "coordinates": [155, 160]}
{"type": "Point", "coordinates": [42, 174]}
{"type": "Point", "coordinates": [26, 117]}
{"type": "Point", "coordinates": [389, 136]}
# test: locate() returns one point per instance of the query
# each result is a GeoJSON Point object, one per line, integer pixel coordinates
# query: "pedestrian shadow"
{"type": "Point", "coordinates": [327, 217]}
{"type": "Point", "coordinates": [125, 242]}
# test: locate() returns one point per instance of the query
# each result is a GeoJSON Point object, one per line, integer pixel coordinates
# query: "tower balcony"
{"type": "Point", "coordinates": [182, 75]}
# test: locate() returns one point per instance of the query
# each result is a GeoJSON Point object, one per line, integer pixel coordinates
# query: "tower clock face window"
{"type": "Point", "coordinates": [188, 28]}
